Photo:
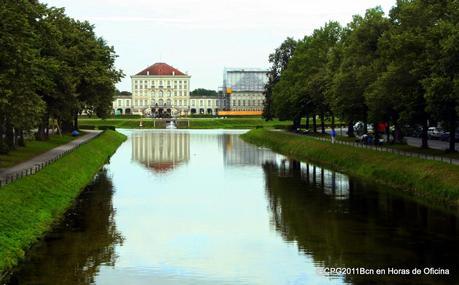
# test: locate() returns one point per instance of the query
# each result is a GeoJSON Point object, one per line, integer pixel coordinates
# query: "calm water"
{"type": "Point", "coordinates": [203, 207]}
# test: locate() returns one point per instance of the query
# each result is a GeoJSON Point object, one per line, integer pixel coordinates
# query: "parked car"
{"type": "Point", "coordinates": [359, 128]}
{"type": "Point", "coordinates": [434, 133]}
{"type": "Point", "coordinates": [445, 136]}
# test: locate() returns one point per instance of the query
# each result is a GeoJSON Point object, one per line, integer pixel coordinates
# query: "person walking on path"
{"type": "Point", "coordinates": [333, 135]}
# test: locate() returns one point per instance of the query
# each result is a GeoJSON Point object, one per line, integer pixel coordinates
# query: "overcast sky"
{"type": "Point", "coordinates": [202, 37]}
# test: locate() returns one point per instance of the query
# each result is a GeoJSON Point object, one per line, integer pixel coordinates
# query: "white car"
{"type": "Point", "coordinates": [434, 133]}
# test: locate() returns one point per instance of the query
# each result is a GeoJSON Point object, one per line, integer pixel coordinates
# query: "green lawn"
{"type": "Point", "coordinates": [429, 151]}
{"type": "Point", "coordinates": [431, 180]}
{"type": "Point", "coordinates": [31, 205]}
{"type": "Point", "coordinates": [195, 123]}
{"type": "Point", "coordinates": [32, 148]}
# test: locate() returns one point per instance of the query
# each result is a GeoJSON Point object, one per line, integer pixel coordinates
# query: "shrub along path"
{"type": "Point", "coordinates": [10, 172]}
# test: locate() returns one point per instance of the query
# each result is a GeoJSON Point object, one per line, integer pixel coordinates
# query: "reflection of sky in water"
{"type": "Point", "coordinates": [203, 207]}
{"type": "Point", "coordinates": [204, 222]}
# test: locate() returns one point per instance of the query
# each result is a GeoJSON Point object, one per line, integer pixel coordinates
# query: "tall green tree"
{"type": "Point", "coordinates": [442, 84]}
{"type": "Point", "coordinates": [279, 60]}
{"type": "Point", "coordinates": [322, 43]}
{"type": "Point", "coordinates": [302, 85]}
{"type": "Point", "coordinates": [20, 106]}
{"type": "Point", "coordinates": [51, 67]}
{"type": "Point", "coordinates": [357, 56]}
{"type": "Point", "coordinates": [399, 93]}
{"type": "Point", "coordinates": [79, 70]}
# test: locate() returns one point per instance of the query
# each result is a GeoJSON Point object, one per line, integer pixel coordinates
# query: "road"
{"type": "Point", "coordinates": [434, 144]}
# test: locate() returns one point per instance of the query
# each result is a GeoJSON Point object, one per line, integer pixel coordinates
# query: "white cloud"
{"type": "Point", "coordinates": [203, 36]}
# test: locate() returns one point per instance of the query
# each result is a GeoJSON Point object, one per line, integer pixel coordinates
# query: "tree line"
{"type": "Point", "coordinates": [52, 67]}
{"type": "Point", "coordinates": [401, 69]}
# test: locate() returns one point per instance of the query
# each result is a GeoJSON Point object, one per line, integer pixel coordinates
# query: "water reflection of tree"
{"type": "Point", "coordinates": [86, 238]}
{"type": "Point", "coordinates": [371, 229]}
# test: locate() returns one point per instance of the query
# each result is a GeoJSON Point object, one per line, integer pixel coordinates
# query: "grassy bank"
{"type": "Point", "coordinates": [430, 179]}
{"type": "Point", "coordinates": [32, 148]}
{"type": "Point", "coordinates": [30, 206]}
{"type": "Point", "coordinates": [195, 123]}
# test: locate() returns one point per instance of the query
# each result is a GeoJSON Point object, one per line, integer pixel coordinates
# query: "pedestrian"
{"type": "Point", "coordinates": [333, 135]}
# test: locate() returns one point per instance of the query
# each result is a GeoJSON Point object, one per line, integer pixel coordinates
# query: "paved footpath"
{"type": "Point", "coordinates": [47, 156]}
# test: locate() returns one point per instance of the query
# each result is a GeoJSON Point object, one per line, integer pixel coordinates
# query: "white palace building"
{"type": "Point", "coordinates": [159, 89]}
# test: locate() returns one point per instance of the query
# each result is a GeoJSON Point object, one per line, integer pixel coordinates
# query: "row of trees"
{"type": "Point", "coordinates": [402, 69]}
{"type": "Point", "coordinates": [51, 68]}
{"type": "Point", "coordinates": [203, 92]}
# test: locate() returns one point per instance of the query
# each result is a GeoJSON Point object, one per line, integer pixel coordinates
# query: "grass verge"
{"type": "Point", "coordinates": [432, 180]}
{"type": "Point", "coordinates": [30, 206]}
{"type": "Point", "coordinates": [195, 123]}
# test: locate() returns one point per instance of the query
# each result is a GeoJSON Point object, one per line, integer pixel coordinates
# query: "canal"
{"type": "Point", "coordinates": [204, 207]}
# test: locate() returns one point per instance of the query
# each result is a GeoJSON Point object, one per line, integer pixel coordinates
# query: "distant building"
{"type": "Point", "coordinates": [160, 89]}
{"type": "Point", "coordinates": [122, 105]}
{"type": "Point", "coordinates": [243, 89]}
{"type": "Point", "coordinates": [205, 104]}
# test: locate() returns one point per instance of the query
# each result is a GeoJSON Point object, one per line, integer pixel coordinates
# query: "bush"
{"type": "Point", "coordinates": [106, 127]}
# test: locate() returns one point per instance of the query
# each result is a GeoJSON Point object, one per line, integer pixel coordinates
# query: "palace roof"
{"type": "Point", "coordinates": [160, 69]}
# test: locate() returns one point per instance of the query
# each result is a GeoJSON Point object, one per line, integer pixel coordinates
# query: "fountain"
{"type": "Point", "coordinates": [171, 125]}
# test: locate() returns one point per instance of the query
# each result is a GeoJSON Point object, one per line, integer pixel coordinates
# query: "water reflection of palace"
{"type": "Point", "coordinates": [161, 151]}
{"type": "Point", "coordinates": [332, 183]}
{"type": "Point", "coordinates": [238, 152]}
